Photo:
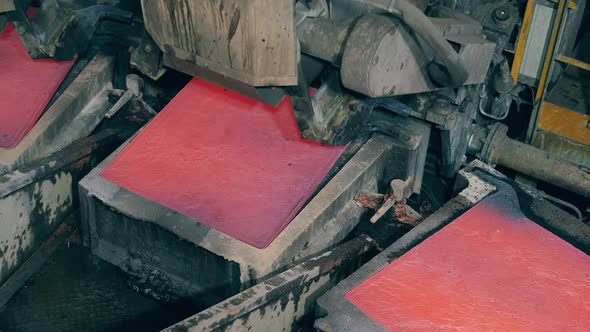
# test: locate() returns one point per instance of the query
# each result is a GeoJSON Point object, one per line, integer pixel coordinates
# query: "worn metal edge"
{"type": "Point", "coordinates": [277, 303]}
{"type": "Point", "coordinates": [29, 173]}
{"type": "Point", "coordinates": [254, 262]}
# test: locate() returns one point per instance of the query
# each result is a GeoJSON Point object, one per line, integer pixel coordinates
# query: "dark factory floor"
{"type": "Point", "coordinates": [76, 291]}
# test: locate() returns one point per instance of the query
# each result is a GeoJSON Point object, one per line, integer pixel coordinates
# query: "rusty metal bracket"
{"type": "Point", "coordinates": [134, 87]}
{"type": "Point", "coordinates": [400, 191]}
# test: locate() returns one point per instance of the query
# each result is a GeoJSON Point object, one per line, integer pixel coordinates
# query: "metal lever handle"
{"type": "Point", "coordinates": [125, 98]}
{"type": "Point", "coordinates": [134, 85]}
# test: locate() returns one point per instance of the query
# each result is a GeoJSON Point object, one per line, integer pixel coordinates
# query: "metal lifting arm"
{"type": "Point", "coordinates": [453, 73]}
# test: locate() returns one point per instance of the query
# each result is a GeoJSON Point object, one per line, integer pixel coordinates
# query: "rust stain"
{"type": "Point", "coordinates": [331, 265]}
{"type": "Point", "coordinates": [83, 162]}
{"type": "Point", "coordinates": [58, 232]}
{"type": "Point", "coordinates": [371, 201]}
{"type": "Point", "coordinates": [400, 214]}
{"type": "Point", "coordinates": [75, 238]}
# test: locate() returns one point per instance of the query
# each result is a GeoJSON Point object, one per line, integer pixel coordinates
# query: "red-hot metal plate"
{"type": "Point", "coordinates": [489, 270]}
{"type": "Point", "coordinates": [26, 86]}
{"type": "Point", "coordinates": [230, 162]}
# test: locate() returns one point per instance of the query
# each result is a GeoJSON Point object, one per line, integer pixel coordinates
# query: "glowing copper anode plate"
{"type": "Point", "coordinates": [489, 270]}
{"type": "Point", "coordinates": [228, 161]}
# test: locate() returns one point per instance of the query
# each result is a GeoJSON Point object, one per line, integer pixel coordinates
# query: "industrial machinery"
{"type": "Point", "coordinates": [247, 157]}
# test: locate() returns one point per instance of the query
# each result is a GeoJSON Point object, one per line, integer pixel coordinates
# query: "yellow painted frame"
{"type": "Point", "coordinates": [523, 37]}
{"type": "Point", "coordinates": [565, 123]}
{"type": "Point", "coordinates": [573, 62]}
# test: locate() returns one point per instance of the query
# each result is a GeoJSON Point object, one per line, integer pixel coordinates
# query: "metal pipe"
{"type": "Point", "coordinates": [455, 72]}
{"type": "Point", "coordinates": [541, 165]}
{"type": "Point", "coordinates": [323, 38]}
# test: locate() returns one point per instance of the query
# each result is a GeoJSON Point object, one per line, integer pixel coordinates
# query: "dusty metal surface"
{"type": "Point", "coordinates": [29, 215]}
{"type": "Point", "coordinates": [553, 218]}
{"type": "Point", "coordinates": [495, 147]}
{"type": "Point", "coordinates": [73, 115]}
{"type": "Point", "coordinates": [283, 301]}
{"type": "Point", "coordinates": [269, 95]}
{"type": "Point", "coordinates": [361, 48]}
{"type": "Point", "coordinates": [366, 68]}
{"type": "Point", "coordinates": [35, 199]}
{"type": "Point", "coordinates": [327, 45]}
{"type": "Point", "coordinates": [250, 41]}
{"type": "Point", "coordinates": [539, 164]}
{"type": "Point", "coordinates": [61, 30]}
{"type": "Point", "coordinates": [6, 6]}
{"type": "Point", "coordinates": [563, 148]}
{"type": "Point", "coordinates": [147, 59]}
